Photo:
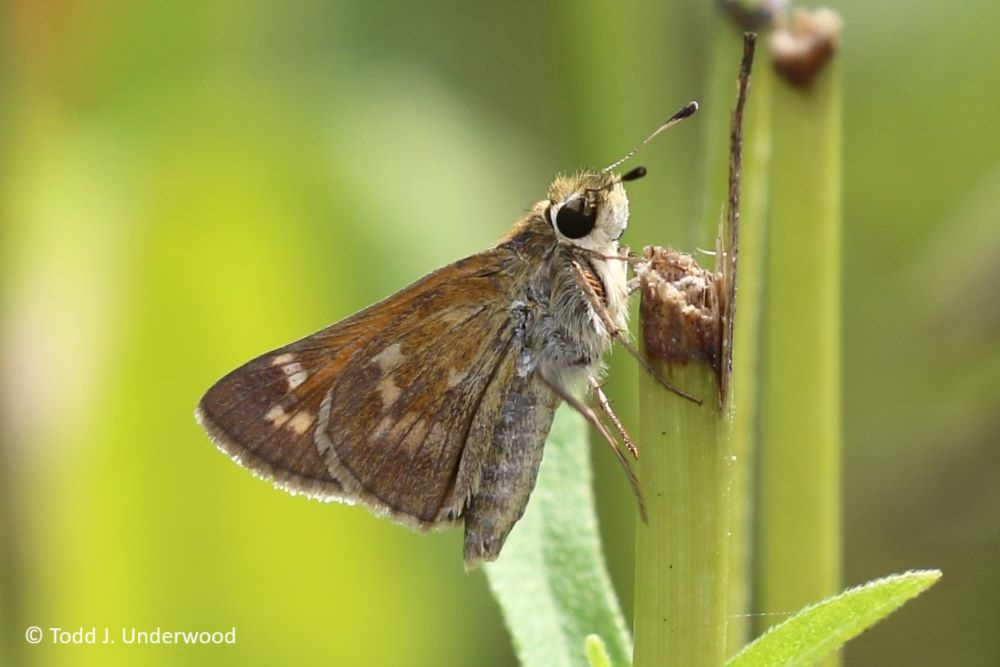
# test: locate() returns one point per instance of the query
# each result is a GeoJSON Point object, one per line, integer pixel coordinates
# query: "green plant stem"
{"type": "Point", "coordinates": [682, 554]}
{"type": "Point", "coordinates": [723, 56]}
{"type": "Point", "coordinates": [800, 539]}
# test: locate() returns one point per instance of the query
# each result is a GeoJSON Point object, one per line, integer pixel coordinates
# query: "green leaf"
{"type": "Point", "coordinates": [551, 580]}
{"type": "Point", "coordinates": [597, 652]}
{"type": "Point", "coordinates": [823, 627]}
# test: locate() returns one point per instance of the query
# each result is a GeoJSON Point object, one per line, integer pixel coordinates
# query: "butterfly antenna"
{"type": "Point", "coordinates": [687, 110]}
{"type": "Point", "coordinates": [631, 175]}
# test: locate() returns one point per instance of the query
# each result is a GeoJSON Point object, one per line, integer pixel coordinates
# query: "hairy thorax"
{"type": "Point", "coordinates": [566, 336]}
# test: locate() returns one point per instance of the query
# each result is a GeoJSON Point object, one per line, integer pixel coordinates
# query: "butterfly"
{"type": "Point", "coordinates": [432, 406]}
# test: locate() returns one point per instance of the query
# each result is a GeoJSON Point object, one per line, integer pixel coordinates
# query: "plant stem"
{"type": "Point", "coordinates": [682, 555]}
{"type": "Point", "coordinates": [800, 540]}
{"type": "Point", "coordinates": [726, 42]}
{"type": "Point", "coordinates": [682, 551]}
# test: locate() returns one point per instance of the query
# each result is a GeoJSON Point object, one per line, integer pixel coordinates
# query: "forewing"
{"type": "Point", "coordinates": [377, 407]}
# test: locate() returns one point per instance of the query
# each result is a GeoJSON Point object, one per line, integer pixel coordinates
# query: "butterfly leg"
{"type": "Point", "coordinates": [591, 417]}
{"type": "Point", "coordinates": [624, 255]}
{"type": "Point", "coordinates": [621, 336]}
{"type": "Point", "coordinates": [602, 400]}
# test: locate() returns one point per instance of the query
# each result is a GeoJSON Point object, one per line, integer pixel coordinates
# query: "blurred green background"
{"type": "Point", "coordinates": [187, 184]}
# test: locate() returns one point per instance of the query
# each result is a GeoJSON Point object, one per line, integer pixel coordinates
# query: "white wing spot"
{"type": "Point", "coordinates": [319, 435]}
{"type": "Point", "coordinates": [389, 358]}
{"type": "Point", "coordinates": [294, 373]}
{"type": "Point", "coordinates": [301, 422]}
{"type": "Point", "coordinates": [382, 428]}
{"type": "Point", "coordinates": [277, 416]}
{"type": "Point", "coordinates": [388, 390]}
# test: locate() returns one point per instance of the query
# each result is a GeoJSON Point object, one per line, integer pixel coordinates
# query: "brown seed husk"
{"type": "Point", "coordinates": [679, 307]}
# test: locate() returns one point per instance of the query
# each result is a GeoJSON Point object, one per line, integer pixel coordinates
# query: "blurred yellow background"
{"type": "Point", "coordinates": [186, 185]}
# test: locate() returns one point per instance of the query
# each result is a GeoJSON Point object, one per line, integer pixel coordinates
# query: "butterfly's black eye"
{"type": "Point", "coordinates": [575, 219]}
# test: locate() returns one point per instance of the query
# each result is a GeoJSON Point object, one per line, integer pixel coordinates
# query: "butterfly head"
{"type": "Point", "coordinates": [590, 209]}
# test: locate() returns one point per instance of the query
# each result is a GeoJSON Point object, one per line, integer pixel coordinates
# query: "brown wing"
{"type": "Point", "coordinates": [378, 407]}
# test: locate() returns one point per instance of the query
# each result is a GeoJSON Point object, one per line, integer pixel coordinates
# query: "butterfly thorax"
{"type": "Point", "coordinates": [573, 288]}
